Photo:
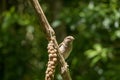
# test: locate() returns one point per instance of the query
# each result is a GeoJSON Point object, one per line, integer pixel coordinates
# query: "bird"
{"type": "Point", "coordinates": [66, 46]}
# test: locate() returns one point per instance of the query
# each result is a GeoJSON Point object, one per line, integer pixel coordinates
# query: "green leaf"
{"type": "Point", "coordinates": [91, 53]}
{"type": "Point", "coordinates": [97, 47]}
{"type": "Point", "coordinates": [95, 60]}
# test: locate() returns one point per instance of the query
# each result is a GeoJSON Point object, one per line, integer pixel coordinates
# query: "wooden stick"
{"type": "Point", "coordinates": [50, 33]}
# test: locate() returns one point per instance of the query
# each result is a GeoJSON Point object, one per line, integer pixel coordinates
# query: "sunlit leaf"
{"type": "Point", "coordinates": [56, 23]}
{"type": "Point", "coordinates": [91, 53]}
{"type": "Point", "coordinates": [117, 33]}
{"type": "Point", "coordinates": [95, 60]}
{"type": "Point", "coordinates": [97, 47]}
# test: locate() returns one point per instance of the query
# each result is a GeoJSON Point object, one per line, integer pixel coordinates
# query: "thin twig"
{"type": "Point", "coordinates": [50, 34]}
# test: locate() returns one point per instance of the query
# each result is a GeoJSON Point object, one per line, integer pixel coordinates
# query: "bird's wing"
{"type": "Point", "coordinates": [60, 44]}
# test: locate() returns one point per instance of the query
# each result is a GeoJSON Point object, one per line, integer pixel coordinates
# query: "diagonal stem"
{"type": "Point", "coordinates": [50, 33]}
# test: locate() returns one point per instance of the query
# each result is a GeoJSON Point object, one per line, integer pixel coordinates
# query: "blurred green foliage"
{"type": "Point", "coordinates": [95, 24]}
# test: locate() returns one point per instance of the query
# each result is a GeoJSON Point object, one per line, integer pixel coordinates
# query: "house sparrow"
{"type": "Point", "coordinates": [66, 46]}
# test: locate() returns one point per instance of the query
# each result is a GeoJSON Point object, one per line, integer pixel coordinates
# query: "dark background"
{"type": "Point", "coordinates": [95, 24]}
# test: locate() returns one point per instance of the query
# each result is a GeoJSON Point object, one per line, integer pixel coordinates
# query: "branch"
{"type": "Point", "coordinates": [50, 34]}
{"type": "Point", "coordinates": [45, 25]}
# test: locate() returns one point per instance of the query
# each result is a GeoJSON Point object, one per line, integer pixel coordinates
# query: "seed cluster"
{"type": "Point", "coordinates": [51, 62]}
